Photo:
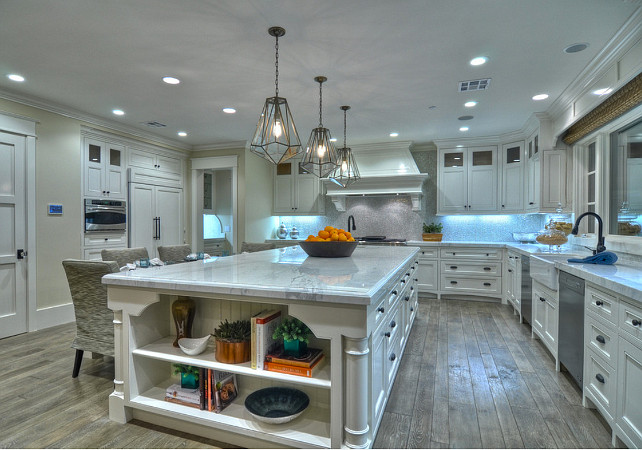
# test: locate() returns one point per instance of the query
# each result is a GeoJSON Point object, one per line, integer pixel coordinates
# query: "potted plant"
{"type": "Point", "coordinates": [189, 375]}
{"type": "Point", "coordinates": [295, 336]}
{"type": "Point", "coordinates": [233, 341]}
{"type": "Point", "coordinates": [432, 232]}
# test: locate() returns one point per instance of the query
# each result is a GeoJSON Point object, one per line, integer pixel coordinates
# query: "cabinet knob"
{"type": "Point", "coordinates": [407, 297]}
{"type": "Point", "coordinates": [392, 357]}
{"type": "Point", "coordinates": [408, 274]}
{"type": "Point", "coordinates": [416, 279]}
{"type": "Point", "coordinates": [412, 288]}
{"type": "Point", "coordinates": [503, 206]}
{"type": "Point", "coordinates": [453, 282]}
{"type": "Point", "coordinates": [510, 270]}
{"type": "Point", "coordinates": [387, 334]}
{"type": "Point", "coordinates": [412, 309]}
{"type": "Point", "coordinates": [381, 309]}
{"type": "Point", "coordinates": [636, 322]}
{"type": "Point", "coordinates": [531, 203]}
{"type": "Point", "coordinates": [599, 338]}
{"type": "Point", "coordinates": [486, 284]}
{"type": "Point", "coordinates": [107, 192]}
{"type": "Point", "coordinates": [599, 378]}
{"type": "Point", "coordinates": [486, 268]}
{"type": "Point", "coordinates": [599, 302]}
{"type": "Point", "coordinates": [453, 267]}
{"type": "Point", "coordinates": [393, 324]}
{"type": "Point", "coordinates": [542, 299]}
{"type": "Point", "coordinates": [106, 239]}
{"type": "Point", "coordinates": [423, 253]}
{"type": "Point", "coordinates": [394, 292]}
{"type": "Point", "coordinates": [403, 281]}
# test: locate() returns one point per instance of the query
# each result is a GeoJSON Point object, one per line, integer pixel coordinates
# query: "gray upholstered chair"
{"type": "Point", "coordinates": [94, 321]}
{"type": "Point", "coordinates": [250, 247]}
{"type": "Point", "coordinates": [123, 256]}
{"type": "Point", "coordinates": [174, 253]}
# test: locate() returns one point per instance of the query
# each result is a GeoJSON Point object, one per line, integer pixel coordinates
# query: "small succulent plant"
{"type": "Point", "coordinates": [184, 368]}
{"type": "Point", "coordinates": [238, 331]}
{"type": "Point", "coordinates": [292, 330]}
{"type": "Point", "coordinates": [433, 227]}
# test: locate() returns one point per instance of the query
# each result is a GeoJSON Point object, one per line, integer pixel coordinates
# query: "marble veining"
{"type": "Point", "coordinates": [624, 279]}
{"type": "Point", "coordinates": [281, 273]}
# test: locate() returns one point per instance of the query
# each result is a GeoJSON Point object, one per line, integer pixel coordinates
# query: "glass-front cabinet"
{"type": "Point", "coordinates": [104, 170]}
{"type": "Point", "coordinates": [512, 177]}
{"type": "Point", "coordinates": [296, 191]}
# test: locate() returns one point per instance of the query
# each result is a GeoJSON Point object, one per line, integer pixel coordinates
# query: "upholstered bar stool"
{"type": "Point", "coordinates": [123, 256]}
{"type": "Point", "coordinates": [173, 253]}
{"type": "Point", "coordinates": [251, 247]}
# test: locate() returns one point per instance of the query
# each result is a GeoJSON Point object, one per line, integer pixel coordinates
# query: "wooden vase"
{"type": "Point", "coordinates": [232, 352]}
{"type": "Point", "coordinates": [183, 311]}
{"type": "Point", "coordinates": [432, 237]}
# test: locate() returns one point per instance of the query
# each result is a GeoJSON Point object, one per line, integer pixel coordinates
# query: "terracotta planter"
{"type": "Point", "coordinates": [232, 352]}
{"type": "Point", "coordinates": [432, 237]}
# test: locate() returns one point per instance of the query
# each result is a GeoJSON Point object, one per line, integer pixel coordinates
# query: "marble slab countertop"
{"type": "Point", "coordinates": [525, 249]}
{"type": "Point", "coordinates": [621, 278]}
{"type": "Point", "coordinates": [287, 273]}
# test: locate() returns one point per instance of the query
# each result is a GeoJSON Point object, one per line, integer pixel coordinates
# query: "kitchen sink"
{"type": "Point", "coordinates": [543, 267]}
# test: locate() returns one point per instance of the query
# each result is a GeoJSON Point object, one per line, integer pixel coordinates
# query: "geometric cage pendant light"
{"type": "Point", "coordinates": [346, 171]}
{"type": "Point", "coordinates": [320, 155]}
{"type": "Point", "coordinates": [275, 138]}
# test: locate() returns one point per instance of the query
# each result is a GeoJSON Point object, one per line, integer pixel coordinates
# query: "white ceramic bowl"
{"type": "Point", "coordinates": [193, 346]}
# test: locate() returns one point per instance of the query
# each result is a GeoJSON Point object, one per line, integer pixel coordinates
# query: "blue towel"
{"type": "Point", "coordinates": [600, 258]}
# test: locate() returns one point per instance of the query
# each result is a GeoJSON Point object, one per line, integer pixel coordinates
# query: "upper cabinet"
{"type": "Point", "coordinates": [296, 192]}
{"type": "Point", "coordinates": [147, 160]}
{"type": "Point", "coordinates": [467, 180]}
{"type": "Point", "coordinates": [104, 169]}
{"type": "Point", "coordinates": [546, 177]}
{"type": "Point", "coordinates": [512, 164]}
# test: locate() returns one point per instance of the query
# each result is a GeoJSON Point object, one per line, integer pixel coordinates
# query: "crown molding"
{"type": "Point", "coordinates": [71, 113]}
{"type": "Point", "coordinates": [231, 145]}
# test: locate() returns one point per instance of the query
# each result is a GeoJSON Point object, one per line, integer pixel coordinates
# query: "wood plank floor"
{"type": "Point", "coordinates": [471, 377]}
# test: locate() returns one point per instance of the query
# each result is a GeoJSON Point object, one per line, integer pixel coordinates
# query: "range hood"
{"type": "Point", "coordinates": [386, 169]}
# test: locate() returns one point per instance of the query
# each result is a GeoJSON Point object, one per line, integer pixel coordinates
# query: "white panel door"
{"type": "Point", "coordinates": [141, 217]}
{"type": "Point", "coordinates": [482, 179]}
{"type": "Point", "coordinates": [13, 271]}
{"type": "Point", "coordinates": [168, 209]}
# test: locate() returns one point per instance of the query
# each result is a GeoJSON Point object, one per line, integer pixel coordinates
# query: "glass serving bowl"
{"type": "Point", "coordinates": [525, 237]}
{"type": "Point", "coordinates": [553, 238]}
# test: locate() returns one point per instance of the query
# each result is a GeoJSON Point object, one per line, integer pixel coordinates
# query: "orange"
{"type": "Point", "coordinates": [324, 234]}
{"type": "Point", "coordinates": [334, 237]}
{"type": "Point", "coordinates": [348, 234]}
{"type": "Point", "coordinates": [329, 228]}
{"type": "Point", "coordinates": [351, 239]}
{"type": "Point", "coordinates": [310, 237]}
{"type": "Point", "coordinates": [342, 237]}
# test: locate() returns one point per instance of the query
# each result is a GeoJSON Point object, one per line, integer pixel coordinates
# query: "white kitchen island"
{"type": "Point", "coordinates": [360, 309]}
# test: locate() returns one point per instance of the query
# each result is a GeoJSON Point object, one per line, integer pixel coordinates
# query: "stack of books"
{"type": "Point", "coordinates": [263, 325]}
{"type": "Point", "coordinates": [305, 365]}
{"type": "Point", "coordinates": [216, 391]}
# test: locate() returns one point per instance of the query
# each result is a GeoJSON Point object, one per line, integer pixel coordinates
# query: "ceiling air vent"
{"type": "Point", "coordinates": [474, 85]}
{"type": "Point", "coordinates": [154, 124]}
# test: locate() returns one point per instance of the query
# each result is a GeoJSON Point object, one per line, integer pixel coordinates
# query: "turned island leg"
{"type": "Point", "coordinates": [356, 393]}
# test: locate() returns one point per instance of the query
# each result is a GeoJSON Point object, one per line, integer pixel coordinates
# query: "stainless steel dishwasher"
{"type": "Point", "coordinates": [571, 325]}
{"type": "Point", "coordinates": [527, 290]}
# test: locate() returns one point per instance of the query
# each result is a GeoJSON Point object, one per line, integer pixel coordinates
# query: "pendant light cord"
{"type": "Point", "coordinates": [276, 64]}
{"type": "Point", "coordinates": [345, 113]}
{"type": "Point", "coordinates": [320, 104]}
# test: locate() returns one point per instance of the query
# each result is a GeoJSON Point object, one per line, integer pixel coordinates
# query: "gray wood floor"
{"type": "Point", "coordinates": [471, 377]}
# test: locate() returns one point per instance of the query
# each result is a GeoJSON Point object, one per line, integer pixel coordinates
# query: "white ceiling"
{"type": "Point", "coordinates": [389, 59]}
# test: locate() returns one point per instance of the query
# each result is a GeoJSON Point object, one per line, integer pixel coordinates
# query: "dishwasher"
{"type": "Point", "coordinates": [527, 290]}
{"type": "Point", "coordinates": [571, 325]}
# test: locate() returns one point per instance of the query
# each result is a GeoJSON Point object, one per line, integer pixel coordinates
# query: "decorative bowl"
{"type": "Point", "coordinates": [525, 237]}
{"type": "Point", "coordinates": [193, 346]}
{"type": "Point", "coordinates": [276, 405]}
{"type": "Point", "coordinates": [333, 249]}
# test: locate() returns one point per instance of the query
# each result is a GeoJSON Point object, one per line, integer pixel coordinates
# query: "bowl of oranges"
{"type": "Point", "coordinates": [330, 243]}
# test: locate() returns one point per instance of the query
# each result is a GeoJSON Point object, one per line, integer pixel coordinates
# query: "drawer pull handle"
{"type": "Point", "coordinates": [381, 309]}
{"type": "Point", "coordinates": [423, 253]}
{"type": "Point", "coordinates": [486, 284]}
{"type": "Point", "coordinates": [636, 323]}
{"type": "Point", "coordinates": [387, 334]}
{"type": "Point", "coordinates": [393, 357]}
{"type": "Point", "coordinates": [393, 324]}
{"type": "Point", "coordinates": [403, 281]}
{"type": "Point", "coordinates": [510, 270]}
{"type": "Point", "coordinates": [453, 282]}
{"type": "Point", "coordinates": [599, 302]}
{"type": "Point", "coordinates": [453, 267]}
{"type": "Point", "coordinates": [599, 338]}
{"type": "Point", "coordinates": [407, 297]}
{"type": "Point", "coordinates": [487, 254]}
{"type": "Point", "coordinates": [486, 268]}
{"type": "Point", "coordinates": [542, 299]}
{"type": "Point", "coordinates": [394, 292]}
{"type": "Point", "coordinates": [416, 279]}
{"type": "Point", "coordinates": [407, 274]}
{"type": "Point", "coordinates": [599, 378]}
{"type": "Point", "coordinates": [412, 288]}
{"type": "Point", "coordinates": [412, 309]}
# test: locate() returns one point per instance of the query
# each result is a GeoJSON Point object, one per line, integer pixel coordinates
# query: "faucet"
{"type": "Point", "coordinates": [600, 238]}
{"type": "Point", "coordinates": [354, 227]}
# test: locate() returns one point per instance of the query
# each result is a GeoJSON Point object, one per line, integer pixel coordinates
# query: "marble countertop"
{"type": "Point", "coordinates": [525, 249]}
{"type": "Point", "coordinates": [621, 278]}
{"type": "Point", "coordinates": [287, 273]}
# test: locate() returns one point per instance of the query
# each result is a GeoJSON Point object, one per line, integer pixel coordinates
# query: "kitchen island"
{"type": "Point", "coordinates": [360, 309]}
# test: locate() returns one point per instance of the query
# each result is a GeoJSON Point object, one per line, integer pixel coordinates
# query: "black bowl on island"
{"type": "Point", "coordinates": [332, 249]}
{"type": "Point", "coordinates": [276, 405]}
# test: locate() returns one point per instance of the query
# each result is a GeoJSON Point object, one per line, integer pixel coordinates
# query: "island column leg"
{"type": "Point", "coordinates": [356, 393]}
{"type": "Point", "coordinates": [118, 412]}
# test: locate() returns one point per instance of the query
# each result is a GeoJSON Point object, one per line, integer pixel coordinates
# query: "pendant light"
{"type": "Point", "coordinates": [346, 171]}
{"type": "Point", "coordinates": [320, 155]}
{"type": "Point", "coordinates": [275, 138]}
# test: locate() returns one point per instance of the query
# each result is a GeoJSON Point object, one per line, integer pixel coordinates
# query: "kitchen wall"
{"type": "Point", "coordinates": [393, 216]}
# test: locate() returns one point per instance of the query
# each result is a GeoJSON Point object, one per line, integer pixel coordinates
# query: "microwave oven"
{"type": "Point", "coordinates": [105, 215]}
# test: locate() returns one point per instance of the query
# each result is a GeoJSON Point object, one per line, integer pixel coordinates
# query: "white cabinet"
{"type": "Point", "coordinates": [546, 176]}
{"type": "Point", "coordinates": [296, 192]}
{"type": "Point", "coordinates": [512, 192]}
{"type": "Point", "coordinates": [104, 169]}
{"type": "Point", "coordinates": [513, 281]}
{"type": "Point", "coordinates": [155, 216]}
{"type": "Point", "coordinates": [546, 317]}
{"type": "Point", "coordinates": [153, 161]}
{"type": "Point", "coordinates": [472, 271]}
{"type": "Point", "coordinates": [629, 387]}
{"type": "Point", "coordinates": [467, 180]}
{"type": "Point", "coordinates": [428, 270]}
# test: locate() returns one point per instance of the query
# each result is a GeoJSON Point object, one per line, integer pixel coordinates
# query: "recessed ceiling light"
{"type": "Point", "coordinates": [182, 134]}
{"type": "Point", "coordinates": [171, 80]}
{"type": "Point", "coordinates": [603, 91]}
{"type": "Point", "coordinates": [470, 104]}
{"type": "Point", "coordinates": [478, 61]}
{"type": "Point", "coordinates": [16, 77]}
{"type": "Point", "coordinates": [118, 112]}
{"type": "Point", "coordinates": [574, 48]}
{"type": "Point", "coordinates": [540, 97]}
{"type": "Point", "coordinates": [459, 146]}
{"type": "Point", "coordinates": [463, 128]}
{"type": "Point", "coordinates": [229, 110]}
{"type": "Point", "coordinates": [394, 134]}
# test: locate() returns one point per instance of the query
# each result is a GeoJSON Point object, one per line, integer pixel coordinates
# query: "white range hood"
{"type": "Point", "coordinates": [385, 169]}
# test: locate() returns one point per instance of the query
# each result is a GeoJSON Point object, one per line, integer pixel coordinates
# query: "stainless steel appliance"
{"type": "Point", "coordinates": [571, 324]}
{"type": "Point", "coordinates": [380, 240]}
{"type": "Point", "coordinates": [527, 290]}
{"type": "Point", "coordinates": [105, 215]}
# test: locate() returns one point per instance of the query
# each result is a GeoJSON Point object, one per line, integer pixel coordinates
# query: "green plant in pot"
{"type": "Point", "coordinates": [233, 341]}
{"type": "Point", "coordinates": [189, 375]}
{"type": "Point", "coordinates": [295, 336]}
{"type": "Point", "coordinates": [432, 232]}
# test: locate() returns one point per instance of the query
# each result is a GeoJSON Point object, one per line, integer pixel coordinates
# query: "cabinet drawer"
{"type": "Point", "coordinates": [393, 357]}
{"type": "Point", "coordinates": [601, 339]}
{"type": "Point", "coordinates": [471, 253]}
{"type": "Point", "coordinates": [631, 320]}
{"type": "Point", "coordinates": [471, 285]}
{"type": "Point", "coordinates": [467, 268]}
{"type": "Point", "coordinates": [600, 380]}
{"type": "Point", "coordinates": [428, 253]}
{"type": "Point", "coordinates": [601, 303]}
{"type": "Point", "coordinates": [106, 240]}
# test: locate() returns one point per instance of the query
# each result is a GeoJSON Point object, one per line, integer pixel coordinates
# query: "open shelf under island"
{"type": "Point", "coordinates": [360, 309]}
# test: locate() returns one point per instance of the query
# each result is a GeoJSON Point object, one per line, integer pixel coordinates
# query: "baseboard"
{"type": "Point", "coordinates": [54, 315]}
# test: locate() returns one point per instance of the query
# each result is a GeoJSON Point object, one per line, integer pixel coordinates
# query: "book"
{"type": "Point", "coordinates": [266, 323]}
{"type": "Point", "coordinates": [201, 387]}
{"type": "Point", "coordinates": [224, 389]}
{"type": "Point", "coordinates": [181, 402]}
{"type": "Point", "coordinates": [295, 370]}
{"type": "Point", "coordinates": [307, 359]}
{"type": "Point", "coordinates": [176, 392]}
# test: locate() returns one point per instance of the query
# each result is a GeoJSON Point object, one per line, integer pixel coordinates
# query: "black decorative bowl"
{"type": "Point", "coordinates": [333, 249]}
{"type": "Point", "coordinates": [276, 404]}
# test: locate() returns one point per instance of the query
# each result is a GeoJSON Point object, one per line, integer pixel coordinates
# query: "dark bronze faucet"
{"type": "Point", "coordinates": [600, 238]}
{"type": "Point", "coordinates": [354, 227]}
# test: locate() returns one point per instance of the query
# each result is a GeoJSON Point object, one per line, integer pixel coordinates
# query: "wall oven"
{"type": "Point", "coordinates": [105, 215]}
